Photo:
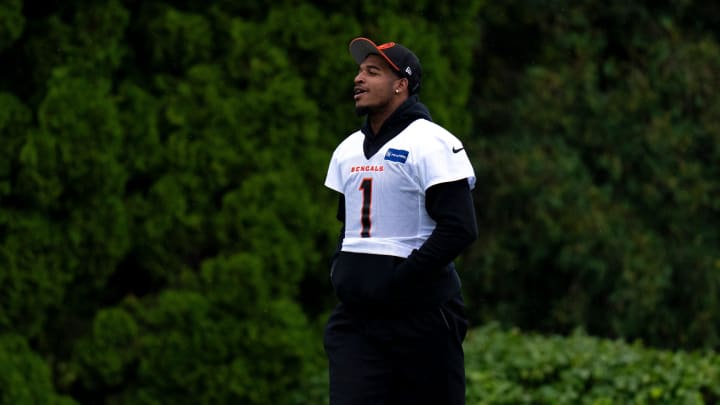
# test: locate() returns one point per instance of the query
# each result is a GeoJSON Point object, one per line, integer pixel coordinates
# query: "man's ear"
{"type": "Point", "coordinates": [402, 85]}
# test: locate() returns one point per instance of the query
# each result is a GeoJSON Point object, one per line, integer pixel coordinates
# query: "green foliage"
{"type": "Point", "coordinates": [12, 22]}
{"type": "Point", "coordinates": [14, 120]}
{"type": "Point", "coordinates": [189, 347]}
{"type": "Point", "coordinates": [507, 367]}
{"type": "Point", "coordinates": [186, 38]}
{"type": "Point", "coordinates": [597, 195]}
{"type": "Point", "coordinates": [25, 377]}
{"type": "Point", "coordinates": [34, 271]}
{"type": "Point", "coordinates": [110, 350]}
{"type": "Point", "coordinates": [97, 43]}
{"type": "Point", "coordinates": [164, 231]}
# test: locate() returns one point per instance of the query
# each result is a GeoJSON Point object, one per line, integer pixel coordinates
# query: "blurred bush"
{"type": "Point", "coordinates": [509, 367]}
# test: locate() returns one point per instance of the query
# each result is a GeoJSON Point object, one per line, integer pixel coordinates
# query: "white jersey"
{"type": "Point", "coordinates": [385, 195]}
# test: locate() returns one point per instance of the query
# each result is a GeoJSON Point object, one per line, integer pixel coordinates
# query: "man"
{"type": "Point", "coordinates": [404, 200]}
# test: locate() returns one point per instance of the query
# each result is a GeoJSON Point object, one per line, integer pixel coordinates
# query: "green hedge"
{"type": "Point", "coordinates": [508, 367]}
{"type": "Point", "coordinates": [511, 367]}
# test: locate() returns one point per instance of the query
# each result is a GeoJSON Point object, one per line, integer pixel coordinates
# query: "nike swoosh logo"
{"type": "Point", "coordinates": [457, 150]}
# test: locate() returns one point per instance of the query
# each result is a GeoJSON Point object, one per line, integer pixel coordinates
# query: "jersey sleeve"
{"type": "Point", "coordinates": [443, 159]}
{"type": "Point", "coordinates": [333, 178]}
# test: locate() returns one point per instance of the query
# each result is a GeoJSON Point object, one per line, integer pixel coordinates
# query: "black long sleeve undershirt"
{"type": "Point", "coordinates": [451, 206]}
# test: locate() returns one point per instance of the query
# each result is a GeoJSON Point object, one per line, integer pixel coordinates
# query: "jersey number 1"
{"type": "Point", "coordinates": [366, 188]}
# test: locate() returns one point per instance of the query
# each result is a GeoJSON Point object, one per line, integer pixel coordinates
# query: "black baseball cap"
{"type": "Point", "coordinates": [402, 60]}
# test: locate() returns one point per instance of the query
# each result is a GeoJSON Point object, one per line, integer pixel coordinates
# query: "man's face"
{"type": "Point", "coordinates": [374, 85]}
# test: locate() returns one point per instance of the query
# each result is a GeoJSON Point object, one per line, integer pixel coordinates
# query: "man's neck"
{"type": "Point", "coordinates": [378, 117]}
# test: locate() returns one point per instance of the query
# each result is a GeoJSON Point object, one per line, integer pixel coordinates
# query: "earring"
{"type": "Point", "coordinates": [397, 91]}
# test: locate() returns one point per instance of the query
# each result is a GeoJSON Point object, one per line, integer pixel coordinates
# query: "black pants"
{"type": "Point", "coordinates": [397, 360]}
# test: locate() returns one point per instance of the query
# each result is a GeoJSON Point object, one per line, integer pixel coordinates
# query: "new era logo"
{"type": "Point", "coordinates": [408, 71]}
